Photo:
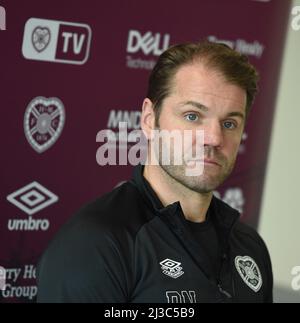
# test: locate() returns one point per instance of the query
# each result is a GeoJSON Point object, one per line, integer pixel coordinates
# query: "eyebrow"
{"type": "Point", "coordinates": [236, 114]}
{"type": "Point", "coordinates": [196, 105]}
{"type": "Point", "coordinates": [204, 108]}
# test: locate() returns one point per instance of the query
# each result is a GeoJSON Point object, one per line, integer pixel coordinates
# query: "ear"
{"type": "Point", "coordinates": [147, 118]}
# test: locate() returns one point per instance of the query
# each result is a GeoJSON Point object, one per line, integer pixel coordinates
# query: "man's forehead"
{"type": "Point", "coordinates": [197, 82]}
{"type": "Point", "coordinates": [197, 69]}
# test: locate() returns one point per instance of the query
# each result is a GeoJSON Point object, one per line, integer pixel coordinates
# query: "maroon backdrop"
{"type": "Point", "coordinates": [76, 69]}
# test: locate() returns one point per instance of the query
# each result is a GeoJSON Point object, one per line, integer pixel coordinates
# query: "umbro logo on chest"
{"type": "Point", "coordinates": [171, 268]}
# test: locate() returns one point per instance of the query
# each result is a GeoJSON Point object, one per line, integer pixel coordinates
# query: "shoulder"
{"type": "Point", "coordinates": [117, 210]}
{"type": "Point", "coordinates": [243, 237]}
{"type": "Point", "coordinates": [114, 216]}
{"type": "Point", "coordinates": [248, 233]}
{"type": "Point", "coordinates": [240, 230]}
{"type": "Point", "coordinates": [93, 249]}
{"type": "Point", "coordinates": [248, 241]}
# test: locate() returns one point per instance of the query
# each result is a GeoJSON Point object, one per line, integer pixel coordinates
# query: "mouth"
{"type": "Point", "coordinates": [210, 162]}
{"type": "Point", "coordinates": [205, 161]}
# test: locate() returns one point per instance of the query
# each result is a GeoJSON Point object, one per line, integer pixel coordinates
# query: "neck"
{"type": "Point", "coordinates": [168, 190]}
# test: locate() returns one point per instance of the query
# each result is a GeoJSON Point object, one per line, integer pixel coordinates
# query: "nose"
{"type": "Point", "coordinates": [213, 134]}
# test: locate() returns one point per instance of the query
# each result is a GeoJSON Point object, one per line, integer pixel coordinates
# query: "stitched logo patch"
{"type": "Point", "coordinates": [249, 272]}
{"type": "Point", "coordinates": [171, 268]}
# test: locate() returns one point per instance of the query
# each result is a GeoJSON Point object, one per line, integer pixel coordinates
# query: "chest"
{"type": "Point", "coordinates": [170, 268]}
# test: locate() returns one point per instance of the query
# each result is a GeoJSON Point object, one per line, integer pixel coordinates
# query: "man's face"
{"type": "Point", "coordinates": [201, 99]}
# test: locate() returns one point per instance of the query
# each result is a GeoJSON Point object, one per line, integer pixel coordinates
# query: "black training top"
{"type": "Point", "coordinates": [206, 236]}
{"type": "Point", "coordinates": [127, 247]}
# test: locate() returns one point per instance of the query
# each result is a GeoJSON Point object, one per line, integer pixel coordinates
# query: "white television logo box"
{"type": "Point", "coordinates": [42, 39]}
{"type": "Point", "coordinates": [2, 18]}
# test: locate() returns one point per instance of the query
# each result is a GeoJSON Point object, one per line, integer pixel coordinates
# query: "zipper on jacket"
{"type": "Point", "coordinates": [221, 290]}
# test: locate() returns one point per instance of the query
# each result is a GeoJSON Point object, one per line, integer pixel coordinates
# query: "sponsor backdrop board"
{"type": "Point", "coordinates": [68, 72]}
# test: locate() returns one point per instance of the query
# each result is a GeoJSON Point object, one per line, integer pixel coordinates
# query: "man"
{"type": "Point", "coordinates": [163, 237]}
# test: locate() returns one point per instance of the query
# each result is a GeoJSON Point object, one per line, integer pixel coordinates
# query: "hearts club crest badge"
{"type": "Point", "coordinates": [249, 272]}
{"type": "Point", "coordinates": [43, 122]}
{"type": "Point", "coordinates": [41, 37]}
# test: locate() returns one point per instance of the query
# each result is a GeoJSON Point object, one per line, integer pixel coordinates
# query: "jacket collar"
{"type": "Point", "coordinates": [222, 215]}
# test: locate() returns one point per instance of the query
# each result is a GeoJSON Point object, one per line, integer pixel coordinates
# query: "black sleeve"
{"type": "Point", "coordinates": [83, 266]}
{"type": "Point", "coordinates": [263, 254]}
{"type": "Point", "coordinates": [269, 295]}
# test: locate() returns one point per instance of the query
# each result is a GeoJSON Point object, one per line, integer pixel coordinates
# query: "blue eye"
{"type": "Point", "coordinates": [191, 117]}
{"type": "Point", "coordinates": [229, 125]}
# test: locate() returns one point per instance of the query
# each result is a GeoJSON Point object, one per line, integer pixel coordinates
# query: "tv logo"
{"type": "Point", "coordinates": [147, 42]}
{"type": "Point", "coordinates": [2, 18]}
{"type": "Point", "coordinates": [56, 41]}
{"type": "Point", "coordinates": [296, 280]}
{"type": "Point", "coordinates": [296, 19]}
